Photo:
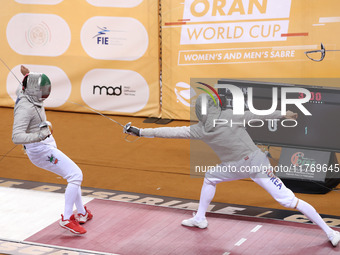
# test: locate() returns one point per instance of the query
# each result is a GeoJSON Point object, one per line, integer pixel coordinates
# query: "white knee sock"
{"type": "Point", "coordinates": [70, 198]}
{"type": "Point", "coordinates": [312, 215]}
{"type": "Point", "coordinates": [79, 203]}
{"type": "Point", "coordinates": [207, 194]}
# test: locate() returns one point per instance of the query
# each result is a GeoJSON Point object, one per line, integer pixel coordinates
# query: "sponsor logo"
{"type": "Point", "coordinates": [38, 34]}
{"type": "Point", "coordinates": [102, 36]}
{"type": "Point", "coordinates": [114, 38]}
{"type": "Point", "coordinates": [109, 91]}
{"type": "Point", "coordinates": [298, 159]}
{"type": "Point", "coordinates": [114, 90]}
{"type": "Point", "coordinates": [102, 31]}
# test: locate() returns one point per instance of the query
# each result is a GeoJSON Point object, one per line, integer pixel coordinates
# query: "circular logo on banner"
{"type": "Point", "coordinates": [49, 2]}
{"type": "Point", "coordinates": [115, 3]}
{"type": "Point", "coordinates": [60, 89]}
{"type": "Point", "coordinates": [38, 34]}
{"type": "Point", "coordinates": [114, 90]}
{"type": "Point", "coordinates": [114, 38]}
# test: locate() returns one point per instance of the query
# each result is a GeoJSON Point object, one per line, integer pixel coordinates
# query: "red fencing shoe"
{"type": "Point", "coordinates": [72, 224]}
{"type": "Point", "coordinates": [82, 218]}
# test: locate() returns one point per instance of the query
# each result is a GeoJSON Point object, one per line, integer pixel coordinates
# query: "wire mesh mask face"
{"type": "Point", "coordinates": [212, 111]}
{"type": "Point", "coordinates": [38, 87]}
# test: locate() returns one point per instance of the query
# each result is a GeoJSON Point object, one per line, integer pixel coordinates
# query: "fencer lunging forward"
{"type": "Point", "coordinates": [31, 129]}
{"type": "Point", "coordinates": [236, 150]}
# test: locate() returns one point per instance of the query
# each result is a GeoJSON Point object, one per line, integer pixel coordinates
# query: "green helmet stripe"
{"type": "Point", "coordinates": [45, 81]}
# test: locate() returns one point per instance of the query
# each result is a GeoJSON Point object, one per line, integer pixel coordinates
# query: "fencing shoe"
{"type": "Point", "coordinates": [192, 222]}
{"type": "Point", "coordinates": [72, 224]}
{"type": "Point", "coordinates": [334, 238]}
{"type": "Point", "coordinates": [82, 218]}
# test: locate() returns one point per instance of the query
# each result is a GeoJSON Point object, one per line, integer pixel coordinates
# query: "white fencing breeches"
{"type": "Point", "coordinates": [52, 159]}
{"type": "Point", "coordinates": [48, 157]}
{"type": "Point", "coordinates": [257, 167]}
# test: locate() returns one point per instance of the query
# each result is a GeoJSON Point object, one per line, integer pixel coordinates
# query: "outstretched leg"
{"type": "Point", "coordinates": [276, 188]}
{"type": "Point", "coordinates": [314, 216]}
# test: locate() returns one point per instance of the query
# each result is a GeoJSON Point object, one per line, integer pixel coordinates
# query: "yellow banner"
{"type": "Point", "coordinates": [245, 39]}
{"type": "Point", "coordinates": [99, 54]}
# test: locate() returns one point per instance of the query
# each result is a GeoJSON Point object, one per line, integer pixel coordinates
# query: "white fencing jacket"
{"type": "Point", "coordinates": [28, 115]}
{"type": "Point", "coordinates": [230, 143]}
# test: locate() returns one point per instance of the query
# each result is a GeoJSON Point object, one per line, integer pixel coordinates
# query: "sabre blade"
{"type": "Point", "coordinates": [10, 71]}
{"type": "Point", "coordinates": [89, 108]}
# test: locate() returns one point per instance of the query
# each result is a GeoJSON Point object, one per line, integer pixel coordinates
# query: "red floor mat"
{"type": "Point", "coordinates": [127, 228]}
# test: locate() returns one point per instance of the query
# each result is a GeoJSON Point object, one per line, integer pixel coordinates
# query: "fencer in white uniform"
{"type": "Point", "coordinates": [33, 131]}
{"type": "Point", "coordinates": [236, 150]}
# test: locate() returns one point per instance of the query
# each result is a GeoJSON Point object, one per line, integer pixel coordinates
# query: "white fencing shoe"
{"type": "Point", "coordinates": [334, 238]}
{"type": "Point", "coordinates": [194, 223]}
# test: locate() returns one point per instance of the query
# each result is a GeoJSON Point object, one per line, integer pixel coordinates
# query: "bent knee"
{"type": "Point", "coordinates": [75, 177]}
{"type": "Point", "coordinates": [289, 202]}
{"type": "Point", "coordinates": [210, 181]}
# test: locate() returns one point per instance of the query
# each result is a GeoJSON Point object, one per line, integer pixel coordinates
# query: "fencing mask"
{"type": "Point", "coordinates": [37, 86]}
